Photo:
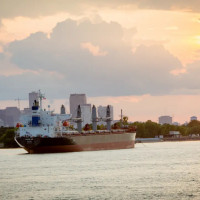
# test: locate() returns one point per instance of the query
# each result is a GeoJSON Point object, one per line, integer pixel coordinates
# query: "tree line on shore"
{"type": "Point", "coordinates": [151, 129]}
{"type": "Point", "coordinates": [146, 129]}
{"type": "Point", "coordinates": [7, 135]}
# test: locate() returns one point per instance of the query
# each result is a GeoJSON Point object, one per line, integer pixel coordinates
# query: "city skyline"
{"type": "Point", "coordinates": [118, 103]}
{"type": "Point", "coordinates": [141, 56]}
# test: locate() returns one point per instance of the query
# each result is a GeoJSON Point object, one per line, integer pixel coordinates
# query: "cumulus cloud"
{"type": "Point", "coordinates": [94, 50]}
{"type": "Point", "coordinates": [177, 72]}
{"type": "Point", "coordinates": [73, 59]}
{"type": "Point", "coordinates": [20, 85]}
{"type": "Point", "coordinates": [7, 68]}
{"type": "Point", "coordinates": [60, 63]}
{"type": "Point", "coordinates": [191, 78]}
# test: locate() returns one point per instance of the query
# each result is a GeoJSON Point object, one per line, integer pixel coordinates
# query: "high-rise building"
{"type": "Point", "coordinates": [165, 120]}
{"type": "Point", "coordinates": [1, 123]}
{"type": "Point", "coordinates": [32, 97]}
{"type": "Point", "coordinates": [10, 116]}
{"type": "Point", "coordinates": [74, 101]}
{"type": "Point", "coordinates": [86, 114]}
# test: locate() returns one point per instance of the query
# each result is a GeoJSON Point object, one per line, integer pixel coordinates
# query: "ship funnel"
{"type": "Point", "coordinates": [94, 118]}
{"type": "Point", "coordinates": [79, 121]}
{"type": "Point", "coordinates": [35, 105]}
{"type": "Point", "coordinates": [108, 118]}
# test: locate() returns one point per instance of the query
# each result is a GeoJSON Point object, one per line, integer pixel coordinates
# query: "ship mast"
{"type": "Point", "coordinates": [41, 96]}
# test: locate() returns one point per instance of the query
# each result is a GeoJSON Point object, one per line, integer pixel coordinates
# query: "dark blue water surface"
{"type": "Point", "coordinates": [166, 170]}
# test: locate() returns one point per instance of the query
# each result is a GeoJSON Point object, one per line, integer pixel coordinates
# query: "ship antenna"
{"type": "Point", "coordinates": [41, 96]}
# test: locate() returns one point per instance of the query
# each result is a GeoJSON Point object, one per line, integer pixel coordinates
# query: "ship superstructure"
{"type": "Point", "coordinates": [42, 123]}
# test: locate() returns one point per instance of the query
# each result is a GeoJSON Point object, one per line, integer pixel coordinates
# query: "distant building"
{"type": "Point", "coordinates": [165, 120]}
{"type": "Point", "coordinates": [101, 110]}
{"type": "Point", "coordinates": [74, 101]}
{"type": "Point", "coordinates": [32, 97]}
{"type": "Point", "coordinates": [86, 114]}
{"type": "Point", "coordinates": [193, 118]}
{"type": "Point", "coordinates": [26, 111]}
{"type": "Point", "coordinates": [174, 134]}
{"type": "Point", "coordinates": [10, 116]}
{"type": "Point", "coordinates": [176, 123]}
{"type": "Point", "coordinates": [185, 124]}
{"type": "Point", "coordinates": [2, 114]}
{"type": "Point", "coordinates": [1, 123]}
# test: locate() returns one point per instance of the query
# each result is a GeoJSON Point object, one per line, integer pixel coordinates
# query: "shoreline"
{"type": "Point", "coordinates": [153, 140]}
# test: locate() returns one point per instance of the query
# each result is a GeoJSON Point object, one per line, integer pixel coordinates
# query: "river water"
{"type": "Point", "coordinates": [166, 170]}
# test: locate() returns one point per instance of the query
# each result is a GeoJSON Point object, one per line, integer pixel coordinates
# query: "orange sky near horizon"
{"type": "Point", "coordinates": [137, 108]}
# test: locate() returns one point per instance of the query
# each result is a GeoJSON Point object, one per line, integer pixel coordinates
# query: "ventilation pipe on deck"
{"type": "Point", "coordinates": [62, 110]}
{"type": "Point", "coordinates": [79, 121]}
{"type": "Point", "coordinates": [94, 118]}
{"type": "Point", "coordinates": [108, 118]}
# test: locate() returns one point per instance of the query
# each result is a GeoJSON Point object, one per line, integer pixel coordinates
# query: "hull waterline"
{"type": "Point", "coordinates": [77, 143]}
{"type": "Point", "coordinates": [78, 148]}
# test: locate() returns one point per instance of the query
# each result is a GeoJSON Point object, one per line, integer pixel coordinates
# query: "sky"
{"type": "Point", "coordinates": [140, 56]}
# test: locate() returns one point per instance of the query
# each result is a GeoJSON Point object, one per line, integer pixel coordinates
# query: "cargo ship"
{"type": "Point", "coordinates": [42, 131]}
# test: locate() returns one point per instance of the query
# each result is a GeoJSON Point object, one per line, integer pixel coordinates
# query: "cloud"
{"type": "Point", "coordinates": [172, 28]}
{"type": "Point", "coordinates": [73, 60]}
{"type": "Point", "coordinates": [169, 5]}
{"type": "Point", "coordinates": [37, 8]}
{"type": "Point", "coordinates": [7, 68]}
{"type": "Point", "coordinates": [64, 45]}
{"type": "Point", "coordinates": [20, 85]}
{"type": "Point", "coordinates": [191, 77]}
{"type": "Point", "coordinates": [94, 50]}
{"type": "Point", "coordinates": [119, 72]}
{"type": "Point", "coordinates": [177, 72]}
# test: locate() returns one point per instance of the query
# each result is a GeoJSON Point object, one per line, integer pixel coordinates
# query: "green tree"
{"type": "Point", "coordinates": [140, 127]}
{"type": "Point", "coordinates": [152, 129]}
{"type": "Point", "coordinates": [193, 123]}
{"type": "Point", "coordinates": [8, 139]}
{"type": "Point", "coordinates": [193, 130]}
{"type": "Point", "coordinates": [182, 129]}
